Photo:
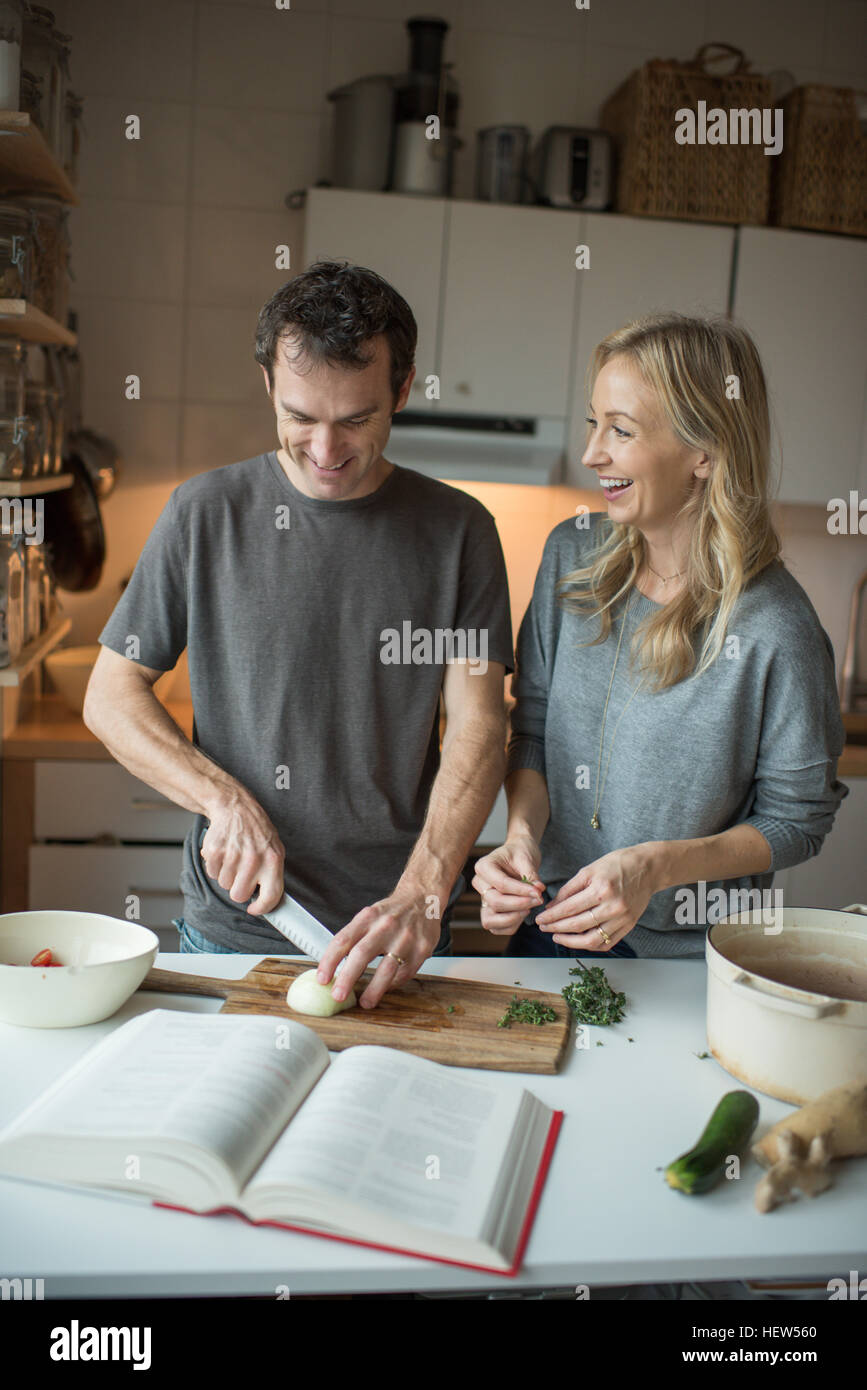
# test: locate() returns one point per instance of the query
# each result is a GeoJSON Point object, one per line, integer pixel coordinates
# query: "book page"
{"type": "Point", "coordinates": [419, 1141]}
{"type": "Point", "coordinates": [225, 1083]}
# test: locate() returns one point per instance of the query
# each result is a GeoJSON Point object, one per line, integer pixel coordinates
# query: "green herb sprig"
{"type": "Point", "coordinates": [591, 999]}
{"type": "Point", "coordinates": [526, 1011]}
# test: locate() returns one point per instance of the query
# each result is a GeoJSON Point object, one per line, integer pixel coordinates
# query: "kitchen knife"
{"type": "Point", "coordinates": [301, 928]}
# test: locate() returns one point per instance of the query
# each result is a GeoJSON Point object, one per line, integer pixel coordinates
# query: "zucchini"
{"type": "Point", "coordinates": [728, 1130]}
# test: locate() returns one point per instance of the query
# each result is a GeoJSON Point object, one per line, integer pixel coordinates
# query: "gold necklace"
{"type": "Point", "coordinates": [677, 574]}
{"type": "Point", "coordinates": [595, 822]}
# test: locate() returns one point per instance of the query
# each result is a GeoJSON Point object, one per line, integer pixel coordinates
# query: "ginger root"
{"type": "Point", "coordinates": [797, 1167]}
{"type": "Point", "coordinates": [840, 1115]}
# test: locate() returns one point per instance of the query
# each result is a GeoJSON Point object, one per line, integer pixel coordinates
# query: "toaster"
{"type": "Point", "coordinates": [573, 167]}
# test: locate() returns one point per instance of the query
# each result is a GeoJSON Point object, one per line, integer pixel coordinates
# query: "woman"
{"type": "Point", "coordinates": [677, 727]}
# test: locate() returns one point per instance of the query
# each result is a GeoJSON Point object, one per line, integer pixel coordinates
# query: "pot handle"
{"type": "Point", "coordinates": [748, 985]}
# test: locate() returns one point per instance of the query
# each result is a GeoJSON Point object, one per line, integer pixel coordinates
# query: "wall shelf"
{"type": "Point", "coordinates": [20, 319]}
{"type": "Point", "coordinates": [26, 161]}
{"type": "Point", "coordinates": [35, 487]}
{"type": "Point", "coordinates": [35, 651]}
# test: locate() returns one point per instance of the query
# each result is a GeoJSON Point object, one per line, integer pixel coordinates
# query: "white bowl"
{"type": "Point", "coordinates": [104, 960]}
{"type": "Point", "coordinates": [70, 671]}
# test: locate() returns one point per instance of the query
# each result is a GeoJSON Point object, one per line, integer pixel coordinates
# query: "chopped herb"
{"type": "Point", "coordinates": [524, 878]}
{"type": "Point", "coordinates": [701, 1055]}
{"type": "Point", "coordinates": [450, 1009]}
{"type": "Point", "coordinates": [599, 1044]}
{"type": "Point", "coordinates": [630, 1040]}
{"type": "Point", "coordinates": [592, 1000]}
{"type": "Point", "coordinates": [526, 1011]}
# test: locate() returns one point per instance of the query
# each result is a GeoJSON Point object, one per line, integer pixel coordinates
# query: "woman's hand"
{"type": "Point", "coordinates": [610, 893]}
{"type": "Point", "coordinates": [509, 884]}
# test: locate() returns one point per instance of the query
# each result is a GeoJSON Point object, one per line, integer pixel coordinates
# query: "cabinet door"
{"type": "Point", "coordinates": [510, 287]}
{"type": "Point", "coordinates": [639, 265]}
{"type": "Point", "coordinates": [81, 800]}
{"type": "Point", "coordinates": [398, 236]}
{"type": "Point", "coordinates": [94, 878]}
{"type": "Point", "coordinates": [804, 299]}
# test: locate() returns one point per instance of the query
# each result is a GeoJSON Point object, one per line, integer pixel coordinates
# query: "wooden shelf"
{"type": "Point", "coordinates": [35, 487]}
{"type": "Point", "coordinates": [27, 165]}
{"type": "Point", "coordinates": [34, 652]}
{"type": "Point", "coordinates": [23, 320]}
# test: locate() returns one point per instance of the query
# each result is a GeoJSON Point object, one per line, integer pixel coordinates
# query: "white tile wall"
{"type": "Point", "coordinates": [119, 337]}
{"type": "Point", "coordinates": [155, 167]}
{"type": "Point", "coordinates": [173, 246]}
{"type": "Point", "coordinates": [233, 254]}
{"type": "Point", "coordinates": [128, 250]}
{"type": "Point", "coordinates": [273, 60]}
{"type": "Point", "coordinates": [219, 363]}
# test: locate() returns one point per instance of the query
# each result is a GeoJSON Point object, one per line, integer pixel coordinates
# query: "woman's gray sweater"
{"type": "Point", "coordinates": [754, 740]}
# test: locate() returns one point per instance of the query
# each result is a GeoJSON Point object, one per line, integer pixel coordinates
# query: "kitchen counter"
{"type": "Point", "coordinates": [606, 1214]}
{"type": "Point", "coordinates": [49, 729]}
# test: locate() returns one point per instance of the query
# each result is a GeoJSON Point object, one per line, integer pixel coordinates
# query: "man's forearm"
{"type": "Point", "coordinates": [464, 790]}
{"type": "Point", "coordinates": [140, 734]}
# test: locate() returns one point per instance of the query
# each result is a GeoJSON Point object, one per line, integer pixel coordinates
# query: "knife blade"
{"type": "Point", "coordinates": [301, 928]}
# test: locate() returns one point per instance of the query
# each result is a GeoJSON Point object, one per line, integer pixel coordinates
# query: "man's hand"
{"type": "Point", "coordinates": [509, 884]}
{"type": "Point", "coordinates": [241, 849]}
{"type": "Point", "coordinates": [398, 923]}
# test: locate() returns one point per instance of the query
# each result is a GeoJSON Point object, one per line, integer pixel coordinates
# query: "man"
{"type": "Point", "coordinates": [309, 585]}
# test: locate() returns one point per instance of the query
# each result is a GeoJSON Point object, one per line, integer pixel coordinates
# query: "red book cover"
{"type": "Point", "coordinates": [529, 1217]}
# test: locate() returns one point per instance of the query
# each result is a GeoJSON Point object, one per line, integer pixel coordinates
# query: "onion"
{"type": "Point", "coordinates": [307, 996]}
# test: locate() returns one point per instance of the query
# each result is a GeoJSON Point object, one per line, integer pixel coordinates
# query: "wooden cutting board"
{"type": "Point", "coordinates": [413, 1018]}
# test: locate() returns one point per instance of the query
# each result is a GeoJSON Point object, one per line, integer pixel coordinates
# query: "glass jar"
{"type": "Point", "coordinates": [13, 360]}
{"type": "Point", "coordinates": [39, 430]}
{"type": "Point", "coordinates": [45, 54]}
{"type": "Point", "coordinates": [49, 249]}
{"type": "Point", "coordinates": [15, 251]}
{"type": "Point", "coordinates": [11, 23]}
{"type": "Point", "coordinates": [54, 401]}
{"type": "Point", "coordinates": [32, 562]}
{"type": "Point", "coordinates": [11, 601]}
{"type": "Point", "coordinates": [13, 457]}
{"type": "Point", "coordinates": [72, 135]}
{"type": "Point", "coordinates": [30, 97]}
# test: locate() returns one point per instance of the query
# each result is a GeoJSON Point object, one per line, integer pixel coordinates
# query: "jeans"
{"type": "Point", "coordinates": [193, 940]}
{"type": "Point", "coordinates": [530, 940]}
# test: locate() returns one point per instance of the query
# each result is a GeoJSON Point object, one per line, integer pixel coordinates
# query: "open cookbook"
{"type": "Point", "coordinates": [209, 1112]}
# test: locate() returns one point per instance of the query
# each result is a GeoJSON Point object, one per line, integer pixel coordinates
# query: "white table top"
{"type": "Point", "coordinates": [606, 1214]}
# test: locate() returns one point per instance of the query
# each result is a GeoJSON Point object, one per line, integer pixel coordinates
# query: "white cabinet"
{"type": "Point", "coordinates": [81, 800]}
{"type": "Point", "coordinates": [804, 299]}
{"type": "Point", "coordinates": [639, 265]}
{"type": "Point", "coordinates": [98, 878]}
{"type": "Point", "coordinates": [510, 298]}
{"type": "Point", "coordinates": [398, 236]}
{"type": "Point", "coordinates": [837, 875]}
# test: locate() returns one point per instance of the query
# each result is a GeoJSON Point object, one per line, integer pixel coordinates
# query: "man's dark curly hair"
{"type": "Point", "coordinates": [329, 313]}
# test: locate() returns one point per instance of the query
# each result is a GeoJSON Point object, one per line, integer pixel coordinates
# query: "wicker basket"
{"type": "Point", "coordinates": [820, 179]}
{"type": "Point", "coordinates": [657, 177]}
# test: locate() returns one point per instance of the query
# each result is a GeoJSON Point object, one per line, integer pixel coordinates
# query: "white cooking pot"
{"type": "Point", "coordinates": [787, 1000]}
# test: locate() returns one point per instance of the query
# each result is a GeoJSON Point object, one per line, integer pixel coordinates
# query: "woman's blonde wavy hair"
{"type": "Point", "coordinates": [689, 364]}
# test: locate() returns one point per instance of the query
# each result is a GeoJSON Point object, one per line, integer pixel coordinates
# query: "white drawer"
{"type": "Point", "coordinates": [80, 800]}
{"type": "Point", "coordinates": [96, 878]}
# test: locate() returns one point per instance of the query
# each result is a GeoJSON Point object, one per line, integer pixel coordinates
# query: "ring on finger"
{"type": "Point", "coordinates": [399, 959]}
{"type": "Point", "coordinates": [605, 937]}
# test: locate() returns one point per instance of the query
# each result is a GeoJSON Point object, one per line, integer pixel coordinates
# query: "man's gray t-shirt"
{"type": "Point", "coordinates": [287, 604]}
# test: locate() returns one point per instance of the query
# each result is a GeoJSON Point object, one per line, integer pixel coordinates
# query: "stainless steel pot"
{"type": "Point", "coordinates": [787, 1000]}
